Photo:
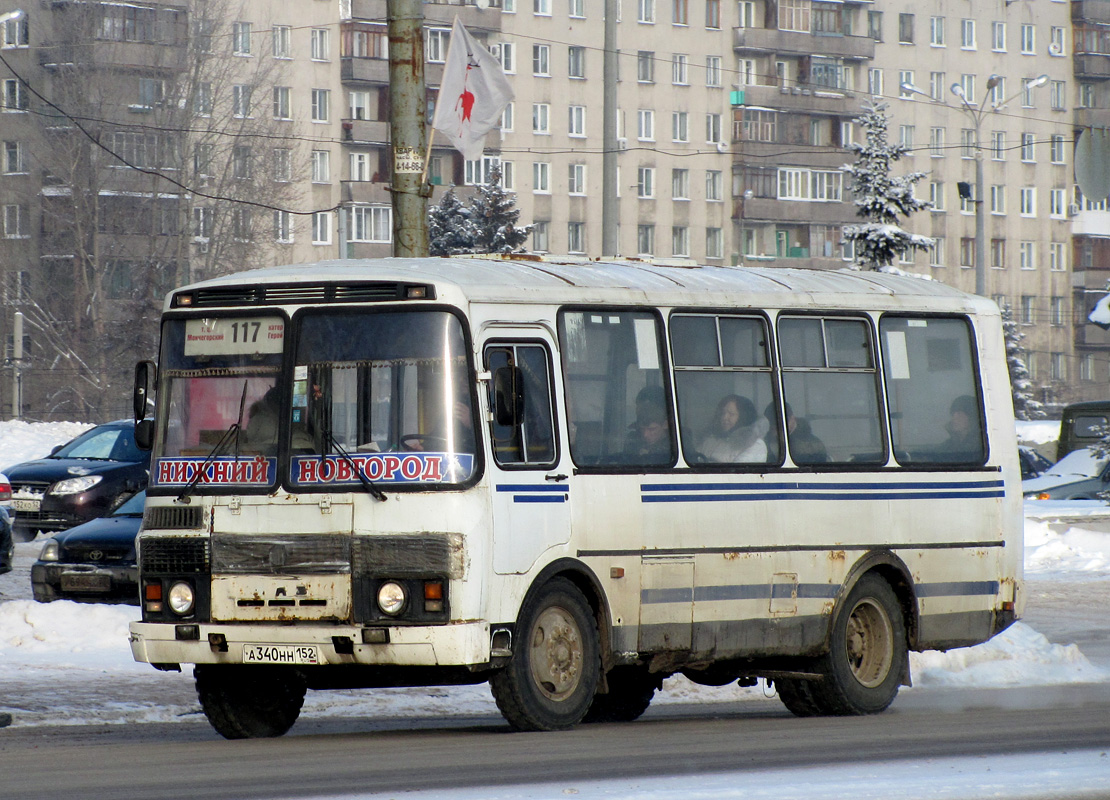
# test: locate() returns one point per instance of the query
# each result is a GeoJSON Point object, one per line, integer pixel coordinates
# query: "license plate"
{"type": "Point", "coordinates": [26, 505]}
{"type": "Point", "coordinates": [281, 654]}
{"type": "Point", "coordinates": [85, 582]}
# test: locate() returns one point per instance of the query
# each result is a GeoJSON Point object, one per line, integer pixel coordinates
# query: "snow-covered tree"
{"type": "Point", "coordinates": [881, 198]}
{"type": "Point", "coordinates": [450, 226]}
{"type": "Point", "coordinates": [494, 217]}
{"type": "Point", "coordinates": [1026, 406]}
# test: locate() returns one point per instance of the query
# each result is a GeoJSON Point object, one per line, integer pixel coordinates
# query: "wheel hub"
{"type": "Point", "coordinates": [556, 654]}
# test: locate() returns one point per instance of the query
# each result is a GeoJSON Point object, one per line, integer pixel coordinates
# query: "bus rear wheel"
{"type": "Point", "coordinates": [863, 669]}
{"type": "Point", "coordinates": [630, 692]}
{"type": "Point", "coordinates": [551, 680]}
{"type": "Point", "coordinates": [249, 702]}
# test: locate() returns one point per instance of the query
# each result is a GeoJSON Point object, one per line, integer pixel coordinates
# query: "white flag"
{"type": "Point", "coordinates": [472, 95]}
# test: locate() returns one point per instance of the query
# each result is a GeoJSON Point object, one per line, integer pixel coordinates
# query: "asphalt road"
{"type": "Point", "coordinates": [336, 756]}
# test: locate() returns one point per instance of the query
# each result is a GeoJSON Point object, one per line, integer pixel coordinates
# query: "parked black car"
{"type": "Point", "coordinates": [7, 543]}
{"type": "Point", "coordinates": [94, 562]}
{"type": "Point", "coordinates": [78, 481]}
{"type": "Point", "coordinates": [1033, 464]}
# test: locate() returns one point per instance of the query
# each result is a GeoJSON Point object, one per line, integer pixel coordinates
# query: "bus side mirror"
{"type": "Point", "coordinates": [144, 434]}
{"type": "Point", "coordinates": [508, 396]}
{"type": "Point", "coordinates": [146, 373]}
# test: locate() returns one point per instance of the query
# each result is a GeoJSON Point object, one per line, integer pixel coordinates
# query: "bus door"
{"type": "Point", "coordinates": [531, 512]}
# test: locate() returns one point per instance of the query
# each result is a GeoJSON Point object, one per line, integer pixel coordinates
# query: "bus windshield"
{"type": "Point", "coordinates": [385, 393]}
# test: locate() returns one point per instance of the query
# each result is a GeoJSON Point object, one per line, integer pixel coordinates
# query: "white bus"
{"type": "Point", "coordinates": [572, 480]}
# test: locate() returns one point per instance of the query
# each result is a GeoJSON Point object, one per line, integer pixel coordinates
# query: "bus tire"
{"type": "Point", "coordinates": [863, 669]}
{"type": "Point", "coordinates": [249, 702]}
{"type": "Point", "coordinates": [552, 678]}
{"type": "Point", "coordinates": [798, 697]}
{"type": "Point", "coordinates": [630, 692]}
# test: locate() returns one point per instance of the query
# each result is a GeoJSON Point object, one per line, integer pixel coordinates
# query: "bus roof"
{"type": "Point", "coordinates": [559, 280]}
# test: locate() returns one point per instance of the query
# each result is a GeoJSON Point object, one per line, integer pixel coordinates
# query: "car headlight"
{"type": "Point", "coordinates": [49, 551]}
{"type": "Point", "coordinates": [391, 598]}
{"type": "Point", "coordinates": [76, 485]}
{"type": "Point", "coordinates": [181, 598]}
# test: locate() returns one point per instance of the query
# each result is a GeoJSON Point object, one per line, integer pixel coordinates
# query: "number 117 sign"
{"type": "Point", "coordinates": [234, 335]}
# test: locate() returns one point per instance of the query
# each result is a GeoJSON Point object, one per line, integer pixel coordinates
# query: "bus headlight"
{"type": "Point", "coordinates": [391, 598]}
{"type": "Point", "coordinates": [181, 598]}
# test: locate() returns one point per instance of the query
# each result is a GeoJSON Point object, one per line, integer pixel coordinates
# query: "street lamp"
{"type": "Point", "coordinates": [976, 114]}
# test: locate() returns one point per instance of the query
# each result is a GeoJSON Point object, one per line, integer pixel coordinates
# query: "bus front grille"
{"type": "Point", "coordinates": [174, 555]}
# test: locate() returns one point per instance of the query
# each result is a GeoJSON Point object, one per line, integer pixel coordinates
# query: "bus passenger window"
{"type": "Point", "coordinates": [830, 387]}
{"type": "Point", "coordinates": [618, 406]}
{"type": "Point", "coordinates": [723, 381]}
{"type": "Point", "coordinates": [532, 442]}
{"type": "Point", "coordinates": [932, 390]}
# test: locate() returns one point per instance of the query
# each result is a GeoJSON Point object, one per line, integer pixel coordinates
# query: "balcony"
{"type": "Point", "coordinates": [758, 210]}
{"type": "Point", "coordinates": [1090, 11]}
{"type": "Point", "coordinates": [772, 40]}
{"type": "Point", "coordinates": [1091, 65]}
{"type": "Point", "coordinates": [376, 191]}
{"type": "Point", "coordinates": [811, 99]}
{"type": "Point", "coordinates": [371, 70]}
{"type": "Point", "coordinates": [135, 55]}
{"type": "Point", "coordinates": [1092, 117]}
{"type": "Point", "coordinates": [770, 153]}
{"type": "Point", "coordinates": [365, 131]}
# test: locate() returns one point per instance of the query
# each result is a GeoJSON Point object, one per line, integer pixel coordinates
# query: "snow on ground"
{"type": "Point", "coordinates": [1038, 431]}
{"type": "Point", "coordinates": [72, 646]}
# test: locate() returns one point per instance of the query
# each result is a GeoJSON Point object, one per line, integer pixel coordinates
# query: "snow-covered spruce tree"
{"type": "Point", "coordinates": [881, 198]}
{"type": "Point", "coordinates": [1025, 405]}
{"type": "Point", "coordinates": [494, 215]}
{"type": "Point", "coordinates": [450, 226]}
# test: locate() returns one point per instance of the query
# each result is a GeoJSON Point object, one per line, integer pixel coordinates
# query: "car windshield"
{"type": "Point", "coordinates": [133, 507]}
{"type": "Point", "coordinates": [103, 443]}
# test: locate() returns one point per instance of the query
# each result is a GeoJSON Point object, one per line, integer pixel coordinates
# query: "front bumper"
{"type": "Point", "coordinates": [458, 644]}
{"type": "Point", "coordinates": [122, 582]}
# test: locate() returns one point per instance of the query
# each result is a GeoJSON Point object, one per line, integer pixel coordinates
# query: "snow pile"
{"type": "Point", "coordinates": [23, 441]}
{"type": "Point", "coordinates": [64, 634]}
{"type": "Point", "coordinates": [1061, 551]}
{"type": "Point", "coordinates": [1038, 431]}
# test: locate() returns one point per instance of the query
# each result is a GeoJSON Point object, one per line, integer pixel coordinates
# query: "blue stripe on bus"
{"type": "Point", "coordinates": [682, 487]}
{"type": "Point", "coordinates": [759, 495]}
{"type": "Point", "coordinates": [539, 498]}
{"type": "Point", "coordinates": [530, 487]}
{"type": "Point", "coordinates": [805, 591]}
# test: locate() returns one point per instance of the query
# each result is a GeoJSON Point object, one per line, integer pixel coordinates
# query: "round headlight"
{"type": "Point", "coordinates": [76, 485]}
{"type": "Point", "coordinates": [181, 598]}
{"type": "Point", "coordinates": [49, 551]}
{"type": "Point", "coordinates": [391, 598]}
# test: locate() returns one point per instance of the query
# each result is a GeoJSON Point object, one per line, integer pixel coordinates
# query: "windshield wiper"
{"type": "Point", "coordinates": [371, 489]}
{"type": "Point", "coordinates": [232, 431]}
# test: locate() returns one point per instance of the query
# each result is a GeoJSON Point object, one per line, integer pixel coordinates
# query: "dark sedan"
{"type": "Point", "coordinates": [78, 481]}
{"type": "Point", "coordinates": [94, 562]}
{"type": "Point", "coordinates": [7, 544]}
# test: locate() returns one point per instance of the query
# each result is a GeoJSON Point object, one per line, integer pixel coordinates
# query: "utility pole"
{"type": "Point", "coordinates": [17, 366]}
{"type": "Point", "coordinates": [610, 210]}
{"type": "Point", "coordinates": [407, 113]}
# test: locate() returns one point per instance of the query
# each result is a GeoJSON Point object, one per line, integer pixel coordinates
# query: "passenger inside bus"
{"type": "Point", "coordinates": [964, 443]}
{"type": "Point", "coordinates": [805, 447]}
{"type": "Point", "coordinates": [736, 436]}
{"type": "Point", "coordinates": [650, 439]}
{"type": "Point", "coordinates": [262, 426]}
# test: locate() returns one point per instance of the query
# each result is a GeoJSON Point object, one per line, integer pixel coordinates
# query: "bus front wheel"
{"type": "Point", "coordinates": [863, 668]}
{"type": "Point", "coordinates": [249, 702]}
{"type": "Point", "coordinates": [551, 680]}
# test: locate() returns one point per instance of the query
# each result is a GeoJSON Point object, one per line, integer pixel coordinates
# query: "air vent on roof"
{"type": "Point", "coordinates": [302, 293]}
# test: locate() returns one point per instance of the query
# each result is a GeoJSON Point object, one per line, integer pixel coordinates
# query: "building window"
{"type": "Point", "coordinates": [905, 136]}
{"type": "Point", "coordinates": [1027, 306]}
{"type": "Point", "coordinates": [967, 251]}
{"type": "Point", "coordinates": [714, 243]}
{"type": "Point", "coordinates": [480, 171]}
{"type": "Point", "coordinates": [202, 99]}
{"type": "Point", "coordinates": [1056, 148]}
{"type": "Point", "coordinates": [645, 183]}
{"type": "Point", "coordinates": [241, 158]}
{"type": "Point", "coordinates": [241, 101]}
{"type": "Point", "coordinates": [1028, 201]}
{"type": "Point", "coordinates": [680, 126]}
{"type": "Point", "coordinates": [998, 37]}
{"type": "Point", "coordinates": [321, 166]}
{"type": "Point", "coordinates": [359, 104]}
{"type": "Point", "coordinates": [1057, 42]}
{"type": "Point", "coordinates": [321, 227]}
{"type": "Point", "coordinates": [875, 25]}
{"type": "Point", "coordinates": [1027, 143]}
{"type": "Point", "coordinates": [967, 34]}
{"type": "Point", "coordinates": [936, 142]}
{"type": "Point", "coordinates": [576, 179]}
{"type": "Point", "coordinates": [875, 81]}
{"type": "Point", "coordinates": [645, 125]}
{"type": "Point", "coordinates": [967, 143]}
{"type": "Point", "coordinates": [1057, 203]}
{"type": "Point", "coordinates": [905, 76]}
{"type": "Point", "coordinates": [1058, 367]}
{"type": "Point", "coordinates": [508, 57]}
{"type": "Point", "coordinates": [998, 145]}
{"type": "Point", "coordinates": [645, 66]}
{"type": "Point", "coordinates": [371, 224]}
{"type": "Point", "coordinates": [713, 71]}
{"type": "Point", "coordinates": [539, 237]}
{"type": "Point", "coordinates": [576, 123]}
{"type": "Point", "coordinates": [936, 252]}
{"type": "Point", "coordinates": [576, 62]}
{"type": "Point", "coordinates": [577, 9]}
{"type": "Point", "coordinates": [541, 8]}
{"type": "Point", "coordinates": [1057, 95]}
{"type": "Point", "coordinates": [15, 222]}
{"type": "Point", "coordinates": [680, 12]}
{"type": "Point", "coordinates": [1027, 255]}
{"type": "Point", "coordinates": [1087, 95]}
{"type": "Point", "coordinates": [320, 49]}
{"type": "Point", "coordinates": [576, 237]}
{"type": "Point", "coordinates": [998, 199]}
{"type": "Point", "coordinates": [360, 167]}
{"type": "Point", "coordinates": [936, 196]}
{"type": "Point", "coordinates": [541, 118]}
{"type": "Point", "coordinates": [283, 227]}
{"type": "Point", "coordinates": [1058, 311]}
{"type": "Point", "coordinates": [15, 95]}
{"type": "Point", "coordinates": [541, 177]}
{"type": "Point", "coordinates": [680, 184]}
{"type": "Point", "coordinates": [241, 38]}
{"type": "Point", "coordinates": [1028, 40]}
{"type": "Point", "coordinates": [321, 101]}
{"type": "Point", "coordinates": [713, 13]}
{"type": "Point", "coordinates": [283, 164]}
{"type": "Point", "coordinates": [713, 133]}
{"type": "Point", "coordinates": [714, 184]}
{"type": "Point", "coordinates": [905, 28]}
{"type": "Point", "coordinates": [998, 253]}
{"type": "Point", "coordinates": [282, 37]}
{"type": "Point", "coordinates": [936, 31]}
{"type": "Point", "coordinates": [16, 33]}
{"type": "Point", "coordinates": [436, 50]}
{"type": "Point", "coordinates": [13, 158]}
{"type": "Point", "coordinates": [679, 70]}
{"type": "Point", "coordinates": [680, 241]}
{"type": "Point", "coordinates": [1057, 256]}
{"type": "Point", "coordinates": [541, 60]}
{"type": "Point", "coordinates": [1087, 367]}
{"type": "Point", "coordinates": [645, 11]}
{"type": "Point", "coordinates": [645, 240]}
{"type": "Point", "coordinates": [282, 102]}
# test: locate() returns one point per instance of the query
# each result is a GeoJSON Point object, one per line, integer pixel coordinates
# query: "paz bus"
{"type": "Point", "coordinates": [571, 479]}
